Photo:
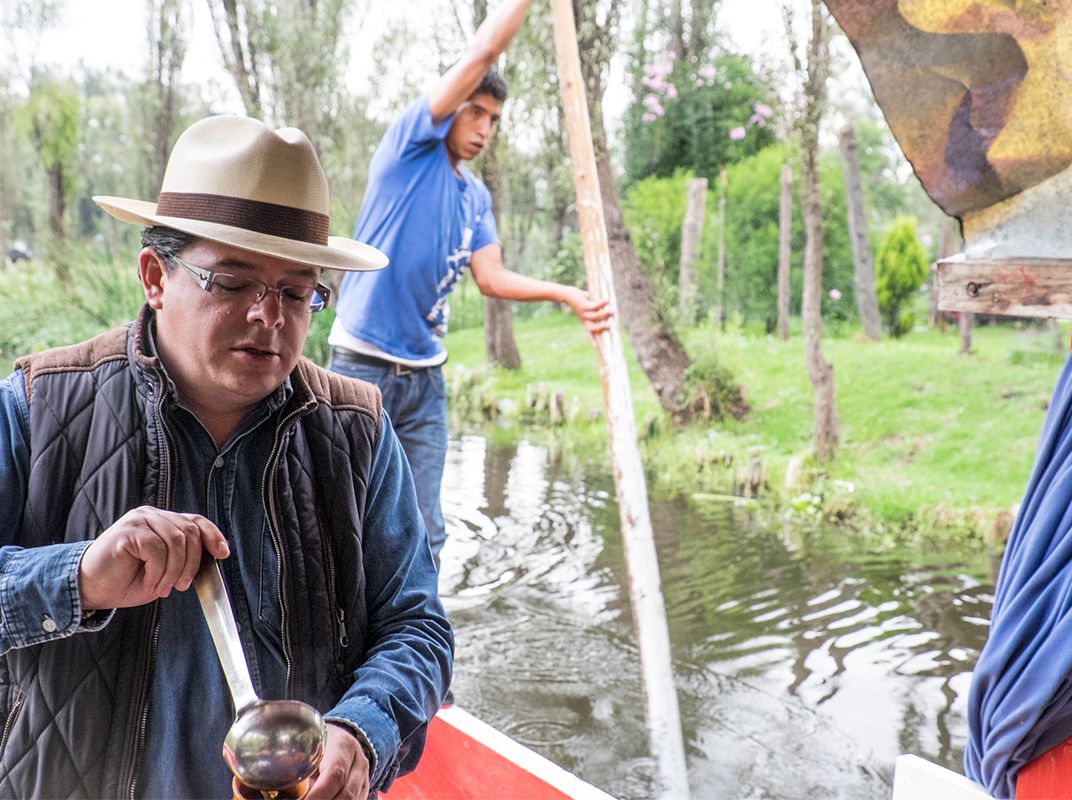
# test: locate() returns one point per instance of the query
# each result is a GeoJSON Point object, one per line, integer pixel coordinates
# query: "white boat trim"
{"type": "Point", "coordinates": [915, 778]}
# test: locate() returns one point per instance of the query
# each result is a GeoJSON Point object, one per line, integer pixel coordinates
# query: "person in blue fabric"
{"type": "Point", "coordinates": [1020, 700]}
{"type": "Point", "coordinates": [200, 431]}
{"type": "Point", "coordinates": [433, 218]}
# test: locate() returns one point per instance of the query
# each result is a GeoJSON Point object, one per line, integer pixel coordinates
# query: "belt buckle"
{"type": "Point", "coordinates": [402, 369]}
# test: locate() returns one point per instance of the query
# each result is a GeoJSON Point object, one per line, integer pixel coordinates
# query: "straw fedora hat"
{"type": "Point", "coordinates": [236, 181]}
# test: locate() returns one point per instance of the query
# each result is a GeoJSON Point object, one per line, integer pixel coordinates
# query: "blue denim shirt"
{"type": "Point", "coordinates": [190, 708]}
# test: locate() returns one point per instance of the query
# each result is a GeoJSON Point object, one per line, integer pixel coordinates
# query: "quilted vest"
{"type": "Point", "coordinates": [74, 710]}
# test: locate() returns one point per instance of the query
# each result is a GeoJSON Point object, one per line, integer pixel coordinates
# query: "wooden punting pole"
{"type": "Point", "coordinates": [649, 613]}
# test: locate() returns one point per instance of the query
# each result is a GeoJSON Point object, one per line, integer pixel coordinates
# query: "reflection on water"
{"type": "Point", "coordinates": [805, 663]}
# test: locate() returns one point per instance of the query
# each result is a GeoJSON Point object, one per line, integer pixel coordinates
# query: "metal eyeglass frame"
{"type": "Point", "coordinates": [206, 277]}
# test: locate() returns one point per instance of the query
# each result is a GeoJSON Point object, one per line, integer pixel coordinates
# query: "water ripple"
{"type": "Point", "coordinates": [805, 659]}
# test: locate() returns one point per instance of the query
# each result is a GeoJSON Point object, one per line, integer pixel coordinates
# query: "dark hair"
{"type": "Point", "coordinates": [492, 84]}
{"type": "Point", "coordinates": [167, 242]}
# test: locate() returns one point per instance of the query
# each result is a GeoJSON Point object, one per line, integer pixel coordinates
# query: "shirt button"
{"type": "Point", "coordinates": [48, 625]}
{"type": "Point", "coordinates": [218, 462]}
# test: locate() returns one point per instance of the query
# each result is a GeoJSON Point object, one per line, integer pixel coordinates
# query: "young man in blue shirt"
{"type": "Point", "coordinates": [200, 431]}
{"type": "Point", "coordinates": [432, 217]}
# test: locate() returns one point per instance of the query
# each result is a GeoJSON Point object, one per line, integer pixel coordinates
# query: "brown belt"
{"type": "Point", "coordinates": [345, 356]}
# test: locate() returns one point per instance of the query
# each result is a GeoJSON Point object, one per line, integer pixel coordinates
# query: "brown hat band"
{"type": "Point", "coordinates": [252, 215]}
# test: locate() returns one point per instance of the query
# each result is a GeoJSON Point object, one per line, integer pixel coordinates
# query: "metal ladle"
{"type": "Point", "coordinates": [272, 744]}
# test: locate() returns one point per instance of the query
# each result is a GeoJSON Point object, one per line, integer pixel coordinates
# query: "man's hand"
{"type": "Point", "coordinates": [594, 314]}
{"type": "Point", "coordinates": [144, 555]}
{"type": "Point", "coordinates": [495, 280]}
{"type": "Point", "coordinates": [344, 770]}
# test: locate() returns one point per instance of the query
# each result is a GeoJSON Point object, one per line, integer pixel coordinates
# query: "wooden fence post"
{"type": "Point", "coordinates": [691, 240]}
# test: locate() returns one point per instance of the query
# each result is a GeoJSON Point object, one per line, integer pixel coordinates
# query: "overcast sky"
{"type": "Point", "coordinates": [111, 33]}
{"type": "Point", "coordinates": [91, 31]}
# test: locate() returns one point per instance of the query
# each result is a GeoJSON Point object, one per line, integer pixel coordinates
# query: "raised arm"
{"type": "Point", "coordinates": [487, 44]}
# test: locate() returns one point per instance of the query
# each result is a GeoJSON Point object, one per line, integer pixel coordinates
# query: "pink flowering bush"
{"type": "Point", "coordinates": [694, 115]}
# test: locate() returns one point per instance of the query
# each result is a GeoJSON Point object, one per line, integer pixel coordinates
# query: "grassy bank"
{"type": "Point", "coordinates": [932, 443]}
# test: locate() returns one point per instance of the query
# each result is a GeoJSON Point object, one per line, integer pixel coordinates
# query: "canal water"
{"type": "Point", "coordinates": [805, 660]}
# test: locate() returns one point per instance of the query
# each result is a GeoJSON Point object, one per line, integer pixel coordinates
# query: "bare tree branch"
{"type": "Point", "coordinates": [237, 52]}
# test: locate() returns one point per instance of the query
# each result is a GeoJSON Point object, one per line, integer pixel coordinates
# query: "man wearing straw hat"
{"type": "Point", "coordinates": [434, 219]}
{"type": "Point", "coordinates": [197, 431]}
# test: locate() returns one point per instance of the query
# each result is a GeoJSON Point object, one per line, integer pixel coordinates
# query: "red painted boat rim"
{"type": "Point", "coordinates": [515, 752]}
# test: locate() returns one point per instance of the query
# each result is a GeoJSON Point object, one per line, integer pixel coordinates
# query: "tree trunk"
{"type": "Point", "coordinates": [239, 54]}
{"type": "Point", "coordinates": [56, 246]}
{"type": "Point", "coordinates": [785, 233]}
{"type": "Point", "coordinates": [677, 30]}
{"type": "Point", "coordinates": [558, 224]}
{"type": "Point", "coordinates": [167, 49]}
{"type": "Point", "coordinates": [691, 237]}
{"type": "Point", "coordinates": [966, 323]}
{"type": "Point", "coordinates": [699, 28]}
{"type": "Point", "coordinates": [820, 371]}
{"type": "Point", "coordinates": [659, 352]}
{"type": "Point", "coordinates": [863, 265]}
{"type": "Point", "coordinates": [57, 201]}
{"type": "Point", "coordinates": [499, 344]}
{"type": "Point", "coordinates": [720, 264]}
{"type": "Point", "coordinates": [948, 244]}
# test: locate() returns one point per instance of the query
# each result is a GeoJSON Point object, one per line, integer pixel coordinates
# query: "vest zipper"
{"type": "Point", "coordinates": [9, 724]}
{"type": "Point", "coordinates": [338, 615]}
{"type": "Point", "coordinates": [163, 501]}
{"type": "Point", "coordinates": [143, 723]}
{"type": "Point", "coordinates": [277, 536]}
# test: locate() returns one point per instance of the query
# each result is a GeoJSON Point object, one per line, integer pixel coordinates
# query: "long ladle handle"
{"type": "Point", "coordinates": [219, 615]}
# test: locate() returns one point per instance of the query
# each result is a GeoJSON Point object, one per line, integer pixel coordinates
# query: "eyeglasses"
{"type": "Point", "coordinates": [250, 291]}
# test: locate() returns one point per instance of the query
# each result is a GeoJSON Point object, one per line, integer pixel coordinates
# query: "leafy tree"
{"type": "Point", "coordinates": [901, 268]}
{"type": "Point", "coordinates": [698, 116]}
{"type": "Point", "coordinates": [50, 120]}
{"type": "Point", "coordinates": [18, 192]}
{"type": "Point", "coordinates": [752, 206]}
{"type": "Point", "coordinates": [108, 138]}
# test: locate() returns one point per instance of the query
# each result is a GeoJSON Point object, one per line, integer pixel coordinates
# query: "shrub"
{"type": "Point", "coordinates": [712, 392]}
{"type": "Point", "coordinates": [900, 269]}
{"type": "Point", "coordinates": [653, 211]}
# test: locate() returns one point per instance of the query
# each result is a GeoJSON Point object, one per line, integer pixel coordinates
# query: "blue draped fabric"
{"type": "Point", "coordinates": [1020, 703]}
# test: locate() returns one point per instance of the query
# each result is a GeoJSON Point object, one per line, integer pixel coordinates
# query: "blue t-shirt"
{"type": "Point", "coordinates": [428, 220]}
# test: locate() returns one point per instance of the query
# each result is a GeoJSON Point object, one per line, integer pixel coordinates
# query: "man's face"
{"type": "Point", "coordinates": [474, 123]}
{"type": "Point", "coordinates": [226, 354]}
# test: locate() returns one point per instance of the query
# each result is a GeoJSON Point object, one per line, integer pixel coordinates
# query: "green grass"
{"type": "Point", "coordinates": [924, 430]}
{"type": "Point", "coordinates": [554, 350]}
{"type": "Point", "coordinates": [921, 425]}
